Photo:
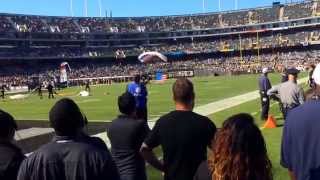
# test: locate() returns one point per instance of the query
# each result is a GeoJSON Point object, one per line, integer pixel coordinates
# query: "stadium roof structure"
{"type": "Point", "coordinates": [275, 3]}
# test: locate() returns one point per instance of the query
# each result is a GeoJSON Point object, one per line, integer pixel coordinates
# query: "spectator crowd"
{"type": "Point", "coordinates": [19, 75]}
{"type": "Point", "coordinates": [41, 24]}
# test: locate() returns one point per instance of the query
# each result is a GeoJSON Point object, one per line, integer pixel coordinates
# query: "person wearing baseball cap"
{"type": "Point", "coordinates": [300, 140]}
{"type": "Point", "coordinates": [264, 86]}
{"type": "Point", "coordinates": [289, 93]}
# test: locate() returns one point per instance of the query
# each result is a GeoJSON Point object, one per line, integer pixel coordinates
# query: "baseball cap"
{"type": "Point", "coordinates": [265, 70]}
{"type": "Point", "coordinates": [293, 71]}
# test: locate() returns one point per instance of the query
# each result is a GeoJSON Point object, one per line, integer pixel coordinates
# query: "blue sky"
{"type": "Point", "coordinates": [124, 8]}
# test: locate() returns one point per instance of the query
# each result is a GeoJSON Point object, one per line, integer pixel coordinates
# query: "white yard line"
{"type": "Point", "coordinates": [213, 107]}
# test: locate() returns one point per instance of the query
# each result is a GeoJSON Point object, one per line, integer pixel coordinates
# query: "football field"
{"type": "Point", "coordinates": [102, 106]}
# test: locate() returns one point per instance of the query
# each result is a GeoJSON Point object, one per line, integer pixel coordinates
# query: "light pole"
{"type": "Point", "coordinates": [203, 6]}
{"type": "Point", "coordinates": [236, 4]}
{"type": "Point", "coordinates": [71, 8]}
{"type": "Point", "coordinates": [100, 7]}
{"type": "Point", "coordinates": [86, 8]}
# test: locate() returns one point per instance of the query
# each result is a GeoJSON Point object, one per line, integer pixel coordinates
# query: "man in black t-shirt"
{"type": "Point", "coordinates": [126, 135]}
{"type": "Point", "coordinates": [183, 135]}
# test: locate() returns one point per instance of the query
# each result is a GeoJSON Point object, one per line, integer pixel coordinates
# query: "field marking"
{"type": "Point", "coordinates": [87, 101]}
{"type": "Point", "coordinates": [211, 108]}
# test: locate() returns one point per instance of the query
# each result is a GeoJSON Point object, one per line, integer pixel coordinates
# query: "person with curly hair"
{"type": "Point", "coordinates": [239, 153]}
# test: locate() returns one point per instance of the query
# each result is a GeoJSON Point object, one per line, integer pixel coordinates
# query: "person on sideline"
{"type": "Point", "coordinates": [139, 90]}
{"type": "Point", "coordinates": [300, 140]}
{"type": "Point", "coordinates": [183, 135]}
{"type": "Point", "coordinates": [264, 86]}
{"type": "Point", "coordinates": [290, 94]}
{"type": "Point", "coordinates": [239, 153]}
{"type": "Point", "coordinates": [72, 154]}
{"type": "Point", "coordinates": [10, 155]}
{"type": "Point", "coordinates": [126, 134]}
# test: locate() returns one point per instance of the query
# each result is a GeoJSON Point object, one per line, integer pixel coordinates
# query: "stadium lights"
{"type": "Point", "coordinates": [236, 4]}
{"type": "Point", "coordinates": [203, 6]}
{"type": "Point", "coordinates": [86, 8]}
{"type": "Point", "coordinates": [100, 7]}
{"type": "Point", "coordinates": [71, 8]}
{"type": "Point", "coordinates": [219, 5]}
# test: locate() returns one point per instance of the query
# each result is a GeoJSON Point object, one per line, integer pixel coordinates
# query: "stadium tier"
{"type": "Point", "coordinates": [68, 37]}
{"type": "Point", "coordinates": [213, 43]}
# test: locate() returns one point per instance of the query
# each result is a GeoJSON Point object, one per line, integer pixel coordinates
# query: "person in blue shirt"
{"type": "Point", "coordinates": [139, 90]}
{"type": "Point", "coordinates": [264, 86]}
{"type": "Point", "coordinates": [300, 140]}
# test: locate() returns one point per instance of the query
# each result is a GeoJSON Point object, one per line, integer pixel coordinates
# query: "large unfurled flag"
{"type": "Point", "coordinates": [64, 66]}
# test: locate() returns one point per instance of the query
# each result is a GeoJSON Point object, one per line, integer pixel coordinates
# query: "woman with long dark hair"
{"type": "Point", "coordinates": [239, 153]}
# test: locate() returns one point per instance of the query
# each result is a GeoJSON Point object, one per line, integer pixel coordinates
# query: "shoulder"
{"type": "Point", "coordinates": [204, 119]}
{"type": "Point", "coordinates": [203, 172]}
{"type": "Point", "coordinates": [11, 152]}
{"type": "Point", "coordinates": [304, 113]}
{"type": "Point", "coordinates": [130, 85]}
{"type": "Point", "coordinates": [98, 143]}
{"type": "Point", "coordinates": [139, 122]}
{"type": "Point", "coordinates": [166, 116]}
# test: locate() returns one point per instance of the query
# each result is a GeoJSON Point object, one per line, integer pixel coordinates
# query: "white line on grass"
{"type": "Point", "coordinates": [87, 101]}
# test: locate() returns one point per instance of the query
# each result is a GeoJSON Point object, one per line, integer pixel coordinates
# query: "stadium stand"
{"type": "Point", "coordinates": [213, 43]}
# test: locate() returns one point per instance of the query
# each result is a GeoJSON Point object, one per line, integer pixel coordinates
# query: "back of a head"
{"type": "Point", "coordinates": [7, 125]}
{"type": "Point", "coordinates": [292, 73]}
{"type": "Point", "coordinates": [183, 91]}
{"type": "Point", "coordinates": [265, 70]}
{"type": "Point", "coordinates": [126, 103]}
{"type": "Point", "coordinates": [66, 118]}
{"type": "Point", "coordinates": [137, 79]}
{"type": "Point", "coordinates": [240, 147]}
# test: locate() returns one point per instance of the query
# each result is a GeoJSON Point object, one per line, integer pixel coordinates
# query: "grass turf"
{"type": "Point", "coordinates": [101, 106]}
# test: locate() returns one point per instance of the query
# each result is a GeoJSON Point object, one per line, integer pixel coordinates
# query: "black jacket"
{"type": "Point", "coordinates": [10, 160]}
{"type": "Point", "coordinates": [67, 158]}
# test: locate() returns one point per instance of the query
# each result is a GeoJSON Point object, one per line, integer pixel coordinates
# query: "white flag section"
{"type": "Point", "coordinates": [148, 57]}
{"type": "Point", "coordinates": [63, 72]}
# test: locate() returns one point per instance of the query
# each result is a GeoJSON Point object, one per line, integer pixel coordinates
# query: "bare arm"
{"type": "Point", "coordinates": [151, 158]}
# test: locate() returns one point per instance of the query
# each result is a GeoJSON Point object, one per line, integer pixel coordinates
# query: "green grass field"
{"type": "Point", "coordinates": [101, 106]}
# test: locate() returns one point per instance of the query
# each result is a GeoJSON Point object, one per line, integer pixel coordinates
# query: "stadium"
{"type": "Point", "coordinates": [91, 60]}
